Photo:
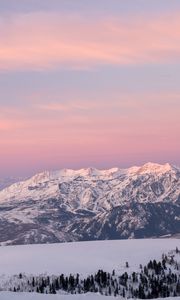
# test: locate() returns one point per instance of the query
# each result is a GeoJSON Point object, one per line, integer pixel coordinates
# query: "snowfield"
{"type": "Point", "coordinates": [85, 258]}
{"type": "Point", "coordinates": [82, 257]}
{"type": "Point", "coordinates": [34, 296]}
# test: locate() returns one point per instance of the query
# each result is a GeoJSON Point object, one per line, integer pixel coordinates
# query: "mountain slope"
{"type": "Point", "coordinates": [6, 182]}
{"type": "Point", "coordinates": [92, 204]}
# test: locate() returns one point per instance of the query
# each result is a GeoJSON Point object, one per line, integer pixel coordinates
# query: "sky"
{"type": "Point", "coordinates": [88, 83]}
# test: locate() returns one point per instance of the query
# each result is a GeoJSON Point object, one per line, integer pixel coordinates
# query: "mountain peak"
{"type": "Point", "coordinates": [155, 168]}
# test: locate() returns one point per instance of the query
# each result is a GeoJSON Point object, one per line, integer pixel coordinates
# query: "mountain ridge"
{"type": "Point", "coordinates": [86, 204]}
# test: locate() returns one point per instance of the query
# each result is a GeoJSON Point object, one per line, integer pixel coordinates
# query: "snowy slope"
{"type": "Point", "coordinates": [90, 204]}
{"type": "Point", "coordinates": [82, 257]}
{"type": "Point", "coordinates": [6, 182]}
{"type": "Point", "coordinates": [34, 296]}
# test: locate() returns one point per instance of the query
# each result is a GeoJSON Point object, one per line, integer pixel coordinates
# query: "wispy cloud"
{"type": "Point", "coordinates": [48, 40]}
{"type": "Point", "coordinates": [66, 106]}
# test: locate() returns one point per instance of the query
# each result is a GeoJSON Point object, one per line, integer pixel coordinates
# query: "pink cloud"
{"type": "Point", "coordinates": [68, 106]}
{"type": "Point", "coordinates": [38, 41]}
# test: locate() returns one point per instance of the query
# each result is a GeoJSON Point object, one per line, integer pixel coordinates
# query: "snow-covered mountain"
{"type": "Point", "coordinates": [87, 204]}
{"type": "Point", "coordinates": [5, 182]}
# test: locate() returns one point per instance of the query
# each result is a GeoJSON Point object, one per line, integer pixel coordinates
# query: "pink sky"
{"type": "Point", "coordinates": [74, 134]}
{"type": "Point", "coordinates": [80, 91]}
{"type": "Point", "coordinates": [73, 41]}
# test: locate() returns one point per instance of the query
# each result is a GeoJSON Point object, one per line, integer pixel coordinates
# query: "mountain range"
{"type": "Point", "coordinates": [91, 204]}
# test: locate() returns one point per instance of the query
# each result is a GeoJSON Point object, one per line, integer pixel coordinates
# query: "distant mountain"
{"type": "Point", "coordinates": [5, 182]}
{"type": "Point", "coordinates": [90, 204]}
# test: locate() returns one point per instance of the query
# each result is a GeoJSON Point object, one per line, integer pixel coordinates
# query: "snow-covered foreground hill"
{"type": "Point", "coordinates": [33, 296]}
{"type": "Point", "coordinates": [82, 257]}
{"type": "Point", "coordinates": [20, 264]}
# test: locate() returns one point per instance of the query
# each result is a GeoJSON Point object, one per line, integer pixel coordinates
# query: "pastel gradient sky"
{"type": "Point", "coordinates": [88, 83]}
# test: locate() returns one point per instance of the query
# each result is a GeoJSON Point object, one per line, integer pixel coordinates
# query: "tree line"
{"type": "Point", "coordinates": [157, 279]}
